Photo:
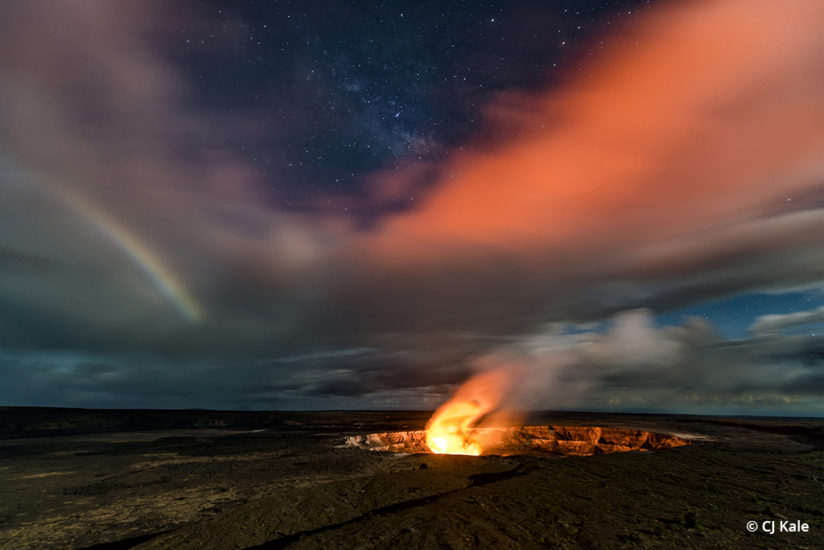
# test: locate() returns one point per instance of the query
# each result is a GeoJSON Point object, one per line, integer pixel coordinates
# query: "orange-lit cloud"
{"type": "Point", "coordinates": [705, 118]}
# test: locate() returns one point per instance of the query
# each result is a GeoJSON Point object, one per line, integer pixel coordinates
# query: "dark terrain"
{"type": "Point", "coordinates": [205, 479]}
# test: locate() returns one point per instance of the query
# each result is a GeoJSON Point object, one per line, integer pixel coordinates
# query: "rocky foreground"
{"type": "Point", "coordinates": [296, 480]}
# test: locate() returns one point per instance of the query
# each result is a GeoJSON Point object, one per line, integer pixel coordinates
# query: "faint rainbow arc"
{"type": "Point", "coordinates": [146, 261]}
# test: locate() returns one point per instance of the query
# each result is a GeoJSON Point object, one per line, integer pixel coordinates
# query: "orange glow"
{"type": "Point", "coordinates": [450, 430]}
{"type": "Point", "coordinates": [698, 116]}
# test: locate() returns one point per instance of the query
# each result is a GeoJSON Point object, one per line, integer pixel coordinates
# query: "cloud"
{"type": "Point", "coordinates": [628, 365]}
{"type": "Point", "coordinates": [683, 163]}
{"type": "Point", "coordinates": [774, 323]}
{"type": "Point", "coordinates": [334, 378]}
{"type": "Point", "coordinates": [634, 366]}
{"type": "Point", "coordinates": [144, 215]}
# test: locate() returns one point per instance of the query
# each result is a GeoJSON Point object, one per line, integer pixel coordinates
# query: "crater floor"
{"type": "Point", "coordinates": [531, 440]}
{"type": "Point", "coordinates": [199, 479]}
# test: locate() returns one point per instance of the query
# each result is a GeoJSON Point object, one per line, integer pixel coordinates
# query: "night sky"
{"type": "Point", "coordinates": [336, 205]}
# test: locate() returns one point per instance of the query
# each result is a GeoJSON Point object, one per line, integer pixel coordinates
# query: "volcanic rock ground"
{"type": "Point", "coordinates": [200, 479]}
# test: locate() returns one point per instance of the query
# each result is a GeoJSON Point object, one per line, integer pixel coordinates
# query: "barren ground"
{"type": "Point", "coordinates": [200, 479]}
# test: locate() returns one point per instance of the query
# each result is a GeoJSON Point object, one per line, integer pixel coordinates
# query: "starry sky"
{"type": "Point", "coordinates": [337, 205]}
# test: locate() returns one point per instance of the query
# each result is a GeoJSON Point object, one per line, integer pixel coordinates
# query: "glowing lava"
{"type": "Point", "coordinates": [449, 431]}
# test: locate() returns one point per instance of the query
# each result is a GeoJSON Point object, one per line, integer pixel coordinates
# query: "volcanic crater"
{"type": "Point", "coordinates": [531, 440]}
